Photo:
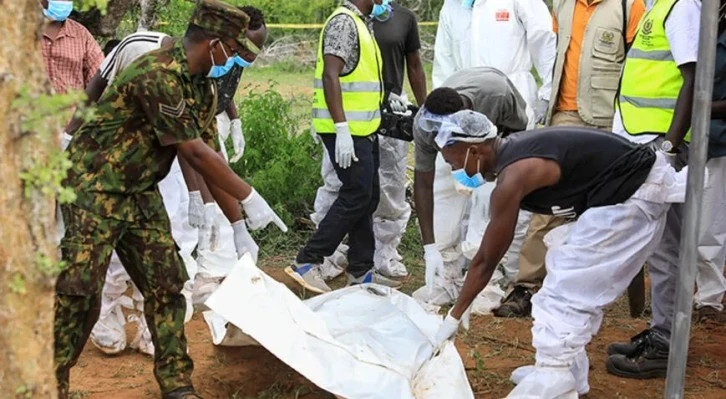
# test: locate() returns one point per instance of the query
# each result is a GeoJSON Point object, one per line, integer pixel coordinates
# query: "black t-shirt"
{"type": "Point", "coordinates": [596, 168]}
{"type": "Point", "coordinates": [396, 37]}
{"type": "Point", "coordinates": [227, 87]}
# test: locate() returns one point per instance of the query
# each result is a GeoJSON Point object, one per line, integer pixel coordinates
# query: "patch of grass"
{"type": "Point", "coordinates": [79, 394]}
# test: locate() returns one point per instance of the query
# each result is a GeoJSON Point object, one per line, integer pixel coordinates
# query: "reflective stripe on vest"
{"type": "Point", "coordinates": [361, 89]}
{"type": "Point", "coordinates": [651, 79]}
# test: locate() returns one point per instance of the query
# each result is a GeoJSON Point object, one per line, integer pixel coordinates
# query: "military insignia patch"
{"type": "Point", "coordinates": [175, 111]}
{"type": "Point", "coordinates": [607, 37]}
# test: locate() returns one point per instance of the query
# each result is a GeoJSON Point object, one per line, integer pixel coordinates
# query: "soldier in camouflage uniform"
{"type": "Point", "coordinates": [161, 104]}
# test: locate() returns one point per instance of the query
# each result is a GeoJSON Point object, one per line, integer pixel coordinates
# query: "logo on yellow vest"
{"type": "Point", "coordinates": [647, 27]}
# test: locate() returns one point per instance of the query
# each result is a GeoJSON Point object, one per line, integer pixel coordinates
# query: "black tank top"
{"type": "Point", "coordinates": [597, 168]}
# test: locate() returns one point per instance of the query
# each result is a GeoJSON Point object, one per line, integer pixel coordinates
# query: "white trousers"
{"type": "Point", "coordinates": [593, 263]}
{"type": "Point", "coordinates": [712, 240]}
{"type": "Point", "coordinates": [393, 212]}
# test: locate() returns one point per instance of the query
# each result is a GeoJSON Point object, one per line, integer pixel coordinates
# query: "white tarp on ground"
{"type": "Point", "coordinates": [358, 342]}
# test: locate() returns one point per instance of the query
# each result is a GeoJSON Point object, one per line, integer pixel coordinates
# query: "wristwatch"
{"type": "Point", "coordinates": [666, 146]}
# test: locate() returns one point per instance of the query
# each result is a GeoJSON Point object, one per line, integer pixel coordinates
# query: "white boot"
{"type": "Point", "coordinates": [544, 382]}
{"type": "Point", "coordinates": [335, 264]}
{"type": "Point", "coordinates": [109, 333]}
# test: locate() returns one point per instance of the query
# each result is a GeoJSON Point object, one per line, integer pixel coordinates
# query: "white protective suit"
{"type": "Point", "coordinates": [509, 35]}
{"type": "Point", "coordinates": [712, 240]}
{"type": "Point", "coordinates": [590, 263]}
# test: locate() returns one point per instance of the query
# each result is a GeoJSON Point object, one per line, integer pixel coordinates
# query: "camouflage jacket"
{"type": "Point", "coordinates": [119, 157]}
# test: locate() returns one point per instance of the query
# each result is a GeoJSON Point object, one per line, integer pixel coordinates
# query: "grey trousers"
{"type": "Point", "coordinates": [663, 264]}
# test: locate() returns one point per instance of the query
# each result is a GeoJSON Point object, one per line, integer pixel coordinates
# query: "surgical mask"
{"type": "Point", "coordinates": [58, 10]}
{"type": "Point", "coordinates": [465, 184]}
{"type": "Point", "coordinates": [467, 3]}
{"type": "Point", "coordinates": [242, 62]}
{"type": "Point", "coordinates": [217, 71]}
{"type": "Point", "coordinates": [382, 12]}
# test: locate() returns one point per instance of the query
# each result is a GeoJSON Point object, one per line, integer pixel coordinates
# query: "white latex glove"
{"type": "Point", "coordinates": [238, 140]}
{"type": "Point", "coordinates": [65, 141]}
{"type": "Point", "coordinates": [196, 209]}
{"type": "Point", "coordinates": [397, 103]}
{"type": "Point", "coordinates": [259, 214]}
{"type": "Point", "coordinates": [209, 231]}
{"type": "Point", "coordinates": [434, 264]}
{"type": "Point", "coordinates": [540, 111]}
{"type": "Point", "coordinates": [344, 149]}
{"type": "Point", "coordinates": [243, 241]}
{"type": "Point", "coordinates": [223, 125]}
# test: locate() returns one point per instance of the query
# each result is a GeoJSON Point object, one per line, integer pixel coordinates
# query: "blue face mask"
{"type": "Point", "coordinates": [467, 3]}
{"type": "Point", "coordinates": [464, 183]}
{"type": "Point", "coordinates": [242, 62]}
{"type": "Point", "coordinates": [382, 12]}
{"type": "Point", "coordinates": [58, 10]}
{"type": "Point", "coordinates": [217, 71]}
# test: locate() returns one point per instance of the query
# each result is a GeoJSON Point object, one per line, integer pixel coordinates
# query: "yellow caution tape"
{"type": "Point", "coordinates": [320, 26]}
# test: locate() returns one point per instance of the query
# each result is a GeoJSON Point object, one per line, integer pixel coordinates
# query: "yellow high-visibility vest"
{"type": "Point", "coordinates": [362, 88]}
{"type": "Point", "coordinates": [651, 79]}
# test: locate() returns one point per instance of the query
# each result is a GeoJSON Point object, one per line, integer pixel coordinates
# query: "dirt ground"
{"type": "Point", "coordinates": [490, 350]}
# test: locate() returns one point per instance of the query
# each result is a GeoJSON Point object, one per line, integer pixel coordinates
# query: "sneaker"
{"type": "Point", "coordinates": [308, 275]}
{"type": "Point", "coordinates": [374, 277]}
{"type": "Point", "coordinates": [517, 304]}
{"type": "Point", "coordinates": [650, 360]}
{"type": "Point", "coordinates": [181, 393]}
{"type": "Point", "coordinates": [629, 349]}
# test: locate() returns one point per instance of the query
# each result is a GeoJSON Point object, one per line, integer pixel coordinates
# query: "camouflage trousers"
{"type": "Point", "coordinates": [150, 256]}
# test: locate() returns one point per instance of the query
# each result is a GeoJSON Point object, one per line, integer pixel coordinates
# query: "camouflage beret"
{"type": "Point", "coordinates": [222, 19]}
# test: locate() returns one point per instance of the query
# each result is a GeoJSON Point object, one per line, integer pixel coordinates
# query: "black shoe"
{"type": "Point", "coordinates": [181, 393]}
{"type": "Point", "coordinates": [629, 348]}
{"type": "Point", "coordinates": [517, 304]}
{"type": "Point", "coordinates": [650, 359]}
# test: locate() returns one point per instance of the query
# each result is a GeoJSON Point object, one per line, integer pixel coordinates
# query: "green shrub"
{"type": "Point", "coordinates": [281, 159]}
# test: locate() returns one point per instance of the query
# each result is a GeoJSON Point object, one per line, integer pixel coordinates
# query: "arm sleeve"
{"type": "Point", "coordinates": [160, 95]}
{"type": "Point", "coordinates": [413, 41]}
{"type": "Point", "coordinates": [92, 59]}
{"type": "Point", "coordinates": [424, 150]}
{"type": "Point", "coordinates": [636, 13]}
{"type": "Point", "coordinates": [444, 65]}
{"type": "Point", "coordinates": [340, 37]}
{"type": "Point", "coordinates": [541, 41]}
{"type": "Point", "coordinates": [682, 28]}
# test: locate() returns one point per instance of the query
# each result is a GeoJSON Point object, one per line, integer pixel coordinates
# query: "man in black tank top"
{"type": "Point", "coordinates": [617, 193]}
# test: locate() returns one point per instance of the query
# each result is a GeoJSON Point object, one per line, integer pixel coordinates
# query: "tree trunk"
{"type": "Point", "coordinates": [27, 226]}
{"type": "Point", "coordinates": [105, 25]}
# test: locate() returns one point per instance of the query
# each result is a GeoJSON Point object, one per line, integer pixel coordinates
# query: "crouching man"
{"type": "Point", "coordinates": [618, 192]}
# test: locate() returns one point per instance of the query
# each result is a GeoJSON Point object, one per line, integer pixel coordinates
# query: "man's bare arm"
{"type": "Point", "coordinates": [213, 168]}
{"type": "Point", "coordinates": [332, 67]}
{"type": "Point", "coordinates": [95, 88]}
{"type": "Point", "coordinates": [514, 183]}
{"type": "Point", "coordinates": [416, 76]}
{"type": "Point", "coordinates": [229, 205]}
